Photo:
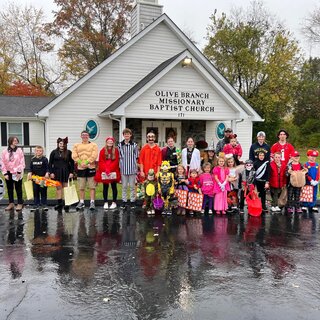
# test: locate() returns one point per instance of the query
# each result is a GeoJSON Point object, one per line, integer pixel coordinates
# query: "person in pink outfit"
{"type": "Point", "coordinates": [206, 185]}
{"type": "Point", "coordinates": [233, 148]}
{"type": "Point", "coordinates": [221, 186]}
{"type": "Point", "coordinates": [12, 166]}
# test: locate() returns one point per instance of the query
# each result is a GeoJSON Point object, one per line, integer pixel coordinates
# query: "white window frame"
{"type": "Point", "coordinates": [9, 135]}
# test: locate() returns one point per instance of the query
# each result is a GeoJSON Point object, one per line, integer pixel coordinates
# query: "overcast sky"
{"type": "Point", "coordinates": [192, 16]}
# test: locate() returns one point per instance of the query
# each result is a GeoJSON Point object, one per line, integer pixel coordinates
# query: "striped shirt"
{"type": "Point", "coordinates": [129, 154]}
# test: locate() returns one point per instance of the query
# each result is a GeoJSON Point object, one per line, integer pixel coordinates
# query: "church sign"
{"type": "Point", "coordinates": [181, 102]}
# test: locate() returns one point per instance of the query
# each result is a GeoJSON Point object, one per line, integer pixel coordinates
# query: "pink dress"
{"type": "Point", "coordinates": [220, 199]}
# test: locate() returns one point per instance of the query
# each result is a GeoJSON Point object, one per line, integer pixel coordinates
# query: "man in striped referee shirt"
{"type": "Point", "coordinates": [129, 154]}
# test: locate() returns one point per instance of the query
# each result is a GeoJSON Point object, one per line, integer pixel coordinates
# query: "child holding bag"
{"type": "Point", "coordinates": [39, 166]}
{"type": "Point", "coordinates": [221, 186]}
{"type": "Point", "coordinates": [109, 171]}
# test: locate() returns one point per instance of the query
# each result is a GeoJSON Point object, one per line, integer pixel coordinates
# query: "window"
{"type": "Point", "coordinates": [16, 129]}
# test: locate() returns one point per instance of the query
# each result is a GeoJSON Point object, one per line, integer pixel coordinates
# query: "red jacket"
{"type": "Point", "coordinates": [277, 177]}
{"type": "Point", "coordinates": [108, 166]}
{"type": "Point", "coordinates": [236, 150]}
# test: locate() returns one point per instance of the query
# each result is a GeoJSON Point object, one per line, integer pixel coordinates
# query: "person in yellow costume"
{"type": "Point", "coordinates": [166, 185]}
{"type": "Point", "coordinates": [150, 190]}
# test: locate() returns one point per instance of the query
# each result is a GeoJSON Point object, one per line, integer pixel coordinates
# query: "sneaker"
{"type": "Point", "coordinates": [80, 206]}
{"type": "Point", "coordinates": [278, 209]}
{"type": "Point", "coordinates": [113, 205]}
{"type": "Point", "coordinates": [123, 205]}
{"type": "Point", "coordinates": [66, 208]}
{"type": "Point", "coordinates": [305, 209]}
{"type": "Point", "coordinates": [153, 211]}
{"type": "Point", "coordinates": [315, 209]}
{"type": "Point", "coordinates": [273, 209]}
{"type": "Point", "coordinates": [298, 210]}
{"type": "Point", "coordinates": [132, 205]}
{"type": "Point", "coordinates": [149, 212]}
{"type": "Point", "coordinates": [34, 208]}
{"type": "Point", "coordinates": [191, 213]}
{"type": "Point", "coordinates": [106, 206]}
{"type": "Point", "coordinates": [210, 211]}
{"type": "Point", "coordinates": [241, 211]}
{"type": "Point", "coordinates": [202, 211]}
{"type": "Point", "coordinates": [92, 206]}
{"type": "Point", "coordinates": [169, 212]}
{"type": "Point", "coordinates": [223, 212]}
{"type": "Point", "coordinates": [290, 210]}
{"type": "Point", "coordinates": [44, 208]}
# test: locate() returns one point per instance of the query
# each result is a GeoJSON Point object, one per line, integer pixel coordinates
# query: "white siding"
{"type": "Point", "coordinates": [69, 116]}
{"type": "Point", "coordinates": [36, 131]}
{"type": "Point", "coordinates": [244, 132]}
{"type": "Point", "coordinates": [181, 80]}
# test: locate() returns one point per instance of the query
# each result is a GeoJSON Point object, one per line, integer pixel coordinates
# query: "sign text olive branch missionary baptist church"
{"type": "Point", "coordinates": [181, 102]}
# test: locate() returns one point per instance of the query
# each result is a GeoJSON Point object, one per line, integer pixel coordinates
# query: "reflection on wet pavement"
{"type": "Point", "coordinates": [124, 265]}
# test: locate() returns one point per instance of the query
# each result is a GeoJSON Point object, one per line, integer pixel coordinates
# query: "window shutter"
{"type": "Point", "coordinates": [26, 135]}
{"type": "Point", "coordinates": [4, 136]}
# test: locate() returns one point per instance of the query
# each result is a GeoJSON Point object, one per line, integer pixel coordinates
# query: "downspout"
{"type": "Point", "coordinates": [44, 130]}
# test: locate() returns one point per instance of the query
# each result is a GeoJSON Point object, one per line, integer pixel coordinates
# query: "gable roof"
{"type": "Point", "coordinates": [22, 107]}
{"type": "Point", "coordinates": [118, 107]}
{"type": "Point", "coordinates": [140, 84]}
{"type": "Point", "coordinates": [189, 45]}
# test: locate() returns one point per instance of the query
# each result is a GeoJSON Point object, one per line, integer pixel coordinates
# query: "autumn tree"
{"type": "Point", "coordinates": [260, 59]}
{"type": "Point", "coordinates": [34, 61]}
{"type": "Point", "coordinates": [20, 88]}
{"type": "Point", "coordinates": [90, 31]}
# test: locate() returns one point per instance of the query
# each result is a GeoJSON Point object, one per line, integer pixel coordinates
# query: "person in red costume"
{"type": "Point", "coordinates": [150, 156]}
{"type": "Point", "coordinates": [285, 148]}
{"type": "Point", "coordinates": [109, 171]}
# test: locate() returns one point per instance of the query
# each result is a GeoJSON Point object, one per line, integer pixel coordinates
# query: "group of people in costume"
{"type": "Point", "coordinates": [167, 178]}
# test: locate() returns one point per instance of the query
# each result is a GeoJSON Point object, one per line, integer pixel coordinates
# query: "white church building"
{"type": "Point", "coordinates": [159, 80]}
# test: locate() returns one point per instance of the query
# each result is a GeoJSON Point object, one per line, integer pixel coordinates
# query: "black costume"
{"type": "Point", "coordinates": [61, 166]}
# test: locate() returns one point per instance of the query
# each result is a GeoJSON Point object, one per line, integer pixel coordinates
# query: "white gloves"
{"type": "Point", "coordinates": [314, 182]}
{"type": "Point", "coordinates": [222, 186]}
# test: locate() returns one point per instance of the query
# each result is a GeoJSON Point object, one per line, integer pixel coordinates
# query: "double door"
{"type": "Point", "coordinates": [163, 130]}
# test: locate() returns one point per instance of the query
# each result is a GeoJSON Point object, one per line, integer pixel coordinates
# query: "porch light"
{"type": "Point", "coordinates": [186, 62]}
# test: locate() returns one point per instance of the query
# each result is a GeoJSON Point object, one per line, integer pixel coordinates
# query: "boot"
{"type": "Point", "coordinates": [59, 206]}
{"type": "Point", "coordinates": [9, 207]}
{"type": "Point", "coordinates": [19, 207]}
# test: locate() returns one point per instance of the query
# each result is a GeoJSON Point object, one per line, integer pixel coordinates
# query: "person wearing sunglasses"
{"type": "Point", "coordinates": [150, 156]}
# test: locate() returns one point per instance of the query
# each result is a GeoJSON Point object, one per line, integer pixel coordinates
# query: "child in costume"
{"type": "Point", "coordinates": [166, 185]}
{"type": "Point", "coordinates": [180, 180]}
{"type": "Point", "coordinates": [109, 171]}
{"type": "Point", "coordinates": [209, 155]}
{"type": "Point", "coordinates": [312, 178]}
{"type": "Point", "coordinates": [39, 166]}
{"type": "Point", "coordinates": [262, 168]}
{"type": "Point", "coordinates": [193, 183]}
{"type": "Point", "coordinates": [246, 182]}
{"type": "Point", "coordinates": [206, 184]}
{"type": "Point", "coordinates": [277, 180]}
{"type": "Point", "coordinates": [150, 187]}
{"type": "Point", "coordinates": [294, 192]}
{"type": "Point", "coordinates": [234, 148]}
{"type": "Point", "coordinates": [221, 186]}
{"type": "Point", "coordinates": [233, 199]}
{"type": "Point", "coordinates": [61, 167]}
